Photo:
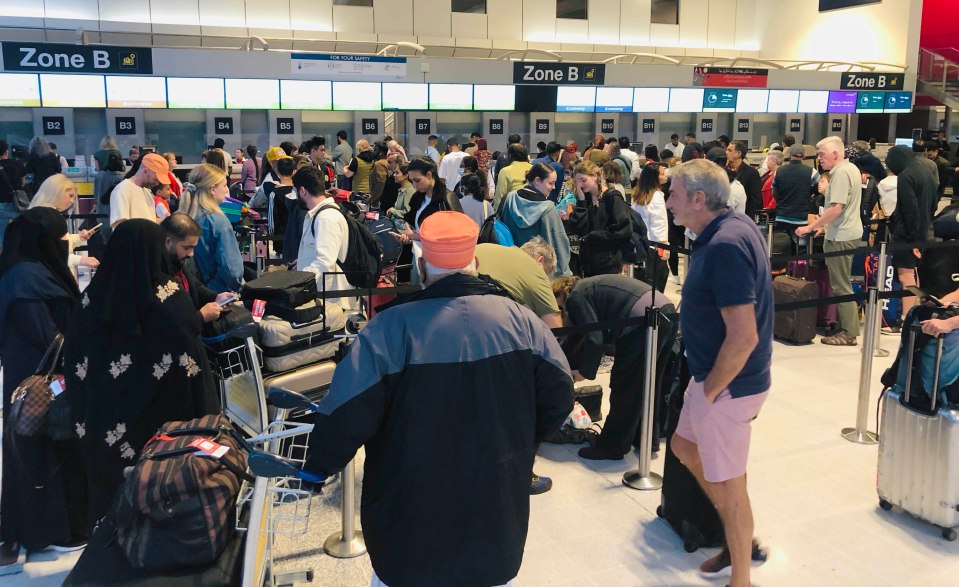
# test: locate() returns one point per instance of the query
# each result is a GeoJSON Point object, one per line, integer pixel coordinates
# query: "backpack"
{"type": "Point", "coordinates": [495, 232]}
{"type": "Point", "coordinates": [177, 509]}
{"type": "Point", "coordinates": [364, 255]}
{"type": "Point", "coordinates": [636, 250]}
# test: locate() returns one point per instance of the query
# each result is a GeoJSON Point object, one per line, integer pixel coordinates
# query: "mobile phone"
{"type": "Point", "coordinates": [228, 301]}
{"type": "Point", "coordinates": [96, 228]}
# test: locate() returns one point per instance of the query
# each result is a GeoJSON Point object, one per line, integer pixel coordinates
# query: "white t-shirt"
{"type": "Point", "coordinates": [324, 242]}
{"type": "Point", "coordinates": [128, 201]}
{"type": "Point", "coordinates": [448, 168]}
{"type": "Point", "coordinates": [676, 149]}
{"type": "Point", "coordinates": [654, 215]}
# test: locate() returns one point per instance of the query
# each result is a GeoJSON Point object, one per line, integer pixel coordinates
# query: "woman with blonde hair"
{"type": "Point", "coordinates": [601, 217]}
{"type": "Point", "coordinates": [217, 254]}
{"type": "Point", "coordinates": [361, 167]}
{"type": "Point", "coordinates": [59, 192]}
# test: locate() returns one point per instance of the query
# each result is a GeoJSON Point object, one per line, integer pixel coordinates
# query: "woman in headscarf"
{"type": "Point", "coordinates": [43, 481]}
{"type": "Point", "coordinates": [569, 157]}
{"type": "Point", "coordinates": [133, 358]}
{"type": "Point", "coordinates": [59, 192]}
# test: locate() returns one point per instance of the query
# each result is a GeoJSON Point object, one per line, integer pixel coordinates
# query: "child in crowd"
{"type": "Point", "coordinates": [161, 199]}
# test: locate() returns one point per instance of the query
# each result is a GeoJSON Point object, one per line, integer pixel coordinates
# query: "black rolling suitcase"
{"type": "Point", "coordinates": [684, 505]}
{"type": "Point", "coordinates": [799, 325]}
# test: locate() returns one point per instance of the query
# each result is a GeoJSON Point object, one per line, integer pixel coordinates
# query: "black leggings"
{"type": "Point", "coordinates": [677, 238]}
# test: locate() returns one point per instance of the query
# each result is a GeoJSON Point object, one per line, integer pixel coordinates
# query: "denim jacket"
{"type": "Point", "coordinates": [217, 254]}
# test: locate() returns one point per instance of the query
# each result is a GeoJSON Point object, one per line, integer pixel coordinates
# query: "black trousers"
{"type": "Point", "coordinates": [626, 397]}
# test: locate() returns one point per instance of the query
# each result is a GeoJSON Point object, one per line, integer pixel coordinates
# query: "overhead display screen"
{"type": "Point", "coordinates": [719, 100]}
{"type": "Point", "coordinates": [20, 89]}
{"type": "Point", "coordinates": [870, 102]}
{"type": "Point", "coordinates": [357, 96]}
{"type": "Point", "coordinates": [650, 99]}
{"type": "Point", "coordinates": [259, 94]}
{"type": "Point", "coordinates": [752, 101]}
{"type": "Point", "coordinates": [451, 96]}
{"type": "Point", "coordinates": [614, 99]}
{"type": "Point", "coordinates": [783, 101]}
{"type": "Point", "coordinates": [898, 102]}
{"type": "Point", "coordinates": [195, 92]}
{"type": "Point", "coordinates": [136, 92]}
{"type": "Point", "coordinates": [405, 96]}
{"type": "Point", "coordinates": [72, 91]}
{"type": "Point", "coordinates": [813, 101]}
{"type": "Point", "coordinates": [842, 103]}
{"type": "Point", "coordinates": [575, 99]}
{"type": "Point", "coordinates": [686, 100]}
{"type": "Point", "coordinates": [306, 95]}
{"type": "Point", "coordinates": [494, 98]}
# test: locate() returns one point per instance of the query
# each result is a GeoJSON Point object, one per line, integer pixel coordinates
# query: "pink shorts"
{"type": "Point", "coordinates": [720, 430]}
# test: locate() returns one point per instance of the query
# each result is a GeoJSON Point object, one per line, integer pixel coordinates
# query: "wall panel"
{"type": "Point", "coordinates": [432, 18]}
{"type": "Point", "coordinates": [394, 17]}
{"type": "Point", "coordinates": [722, 24]}
{"type": "Point", "coordinates": [693, 22]}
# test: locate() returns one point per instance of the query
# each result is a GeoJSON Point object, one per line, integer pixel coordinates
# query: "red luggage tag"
{"type": "Point", "coordinates": [259, 308]}
{"type": "Point", "coordinates": [58, 385]}
{"type": "Point", "coordinates": [372, 215]}
{"type": "Point", "coordinates": [209, 448]}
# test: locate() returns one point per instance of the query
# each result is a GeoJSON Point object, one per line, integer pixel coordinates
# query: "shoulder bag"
{"type": "Point", "coordinates": [33, 400]}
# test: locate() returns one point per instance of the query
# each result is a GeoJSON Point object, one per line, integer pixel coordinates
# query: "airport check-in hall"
{"type": "Point", "coordinates": [479, 293]}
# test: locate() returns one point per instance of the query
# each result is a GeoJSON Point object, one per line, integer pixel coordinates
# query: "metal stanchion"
{"type": "Point", "coordinates": [642, 478]}
{"type": "Point", "coordinates": [769, 235]}
{"type": "Point", "coordinates": [859, 434]}
{"type": "Point", "coordinates": [878, 351]}
{"type": "Point", "coordinates": [686, 257]}
{"type": "Point", "coordinates": [349, 542]}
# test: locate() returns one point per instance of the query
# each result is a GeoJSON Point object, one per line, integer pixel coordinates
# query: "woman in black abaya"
{"type": "Point", "coordinates": [133, 358]}
{"type": "Point", "coordinates": [43, 482]}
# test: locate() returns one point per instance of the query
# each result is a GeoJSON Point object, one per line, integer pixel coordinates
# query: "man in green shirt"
{"type": "Point", "coordinates": [843, 227]}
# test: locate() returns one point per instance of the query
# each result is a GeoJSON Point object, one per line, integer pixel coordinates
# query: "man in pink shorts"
{"type": "Point", "coordinates": [727, 323]}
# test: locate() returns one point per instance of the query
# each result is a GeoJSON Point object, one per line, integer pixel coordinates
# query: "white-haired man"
{"type": "Point", "coordinates": [842, 224]}
{"type": "Point", "coordinates": [727, 323]}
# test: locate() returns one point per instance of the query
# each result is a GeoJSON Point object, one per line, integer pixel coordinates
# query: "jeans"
{"type": "Point", "coordinates": [840, 278]}
{"type": "Point", "coordinates": [8, 213]}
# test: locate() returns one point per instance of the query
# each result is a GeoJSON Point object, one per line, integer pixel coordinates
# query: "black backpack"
{"type": "Point", "coordinates": [364, 256]}
{"type": "Point", "coordinates": [636, 250]}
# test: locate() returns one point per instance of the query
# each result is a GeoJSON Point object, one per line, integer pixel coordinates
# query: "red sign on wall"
{"type": "Point", "coordinates": [730, 77]}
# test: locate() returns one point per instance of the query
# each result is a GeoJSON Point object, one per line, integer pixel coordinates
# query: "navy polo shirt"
{"type": "Point", "coordinates": [728, 267]}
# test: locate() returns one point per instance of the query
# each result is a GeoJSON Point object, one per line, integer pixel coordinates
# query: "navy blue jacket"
{"type": "Point", "coordinates": [449, 390]}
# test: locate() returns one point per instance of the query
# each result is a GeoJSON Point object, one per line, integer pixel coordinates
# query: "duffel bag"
{"type": "Point", "coordinates": [234, 322]}
{"type": "Point", "coordinates": [382, 227]}
{"type": "Point", "coordinates": [288, 288]}
{"type": "Point", "coordinates": [308, 312]}
{"type": "Point", "coordinates": [177, 509]}
{"type": "Point", "coordinates": [287, 346]}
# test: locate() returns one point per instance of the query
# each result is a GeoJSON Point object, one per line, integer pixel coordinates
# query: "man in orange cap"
{"type": "Point", "coordinates": [449, 389]}
{"type": "Point", "coordinates": [132, 198]}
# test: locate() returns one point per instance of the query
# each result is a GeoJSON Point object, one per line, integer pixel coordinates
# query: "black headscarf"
{"type": "Point", "coordinates": [135, 263]}
{"type": "Point", "coordinates": [37, 235]}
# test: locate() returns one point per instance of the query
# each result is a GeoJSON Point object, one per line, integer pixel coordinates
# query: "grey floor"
{"type": "Point", "coordinates": [813, 493]}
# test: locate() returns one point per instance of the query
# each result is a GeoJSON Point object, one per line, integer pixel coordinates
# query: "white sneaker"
{"type": "Point", "coordinates": [675, 280]}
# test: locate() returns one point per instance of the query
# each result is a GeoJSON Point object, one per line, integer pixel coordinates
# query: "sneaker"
{"type": "Point", "coordinates": [598, 453]}
{"type": "Point", "coordinates": [605, 364]}
{"type": "Point", "coordinates": [894, 329]}
{"type": "Point", "coordinates": [12, 559]}
{"type": "Point", "coordinates": [721, 565]}
{"type": "Point", "coordinates": [540, 484]}
{"type": "Point", "coordinates": [839, 339]}
{"type": "Point", "coordinates": [675, 280]}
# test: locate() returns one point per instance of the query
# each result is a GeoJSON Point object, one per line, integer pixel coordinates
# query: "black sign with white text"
{"type": "Point", "coordinates": [607, 125]}
{"type": "Point", "coordinates": [126, 125]}
{"type": "Point", "coordinates": [54, 57]}
{"type": "Point", "coordinates": [837, 125]}
{"type": "Point", "coordinates": [284, 126]}
{"type": "Point", "coordinates": [542, 126]}
{"type": "Point", "coordinates": [795, 125]}
{"type": "Point", "coordinates": [223, 126]}
{"type": "Point", "coordinates": [496, 126]}
{"type": "Point", "coordinates": [742, 125]}
{"type": "Point", "coordinates": [54, 125]}
{"type": "Point", "coordinates": [649, 125]}
{"type": "Point", "coordinates": [370, 126]}
{"type": "Point", "coordinates": [706, 125]}
{"type": "Point", "coordinates": [423, 126]}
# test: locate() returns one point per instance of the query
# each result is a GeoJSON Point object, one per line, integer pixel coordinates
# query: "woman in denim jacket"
{"type": "Point", "coordinates": [217, 254]}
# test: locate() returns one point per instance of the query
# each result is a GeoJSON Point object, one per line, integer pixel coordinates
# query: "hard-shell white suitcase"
{"type": "Point", "coordinates": [919, 454]}
{"type": "Point", "coordinates": [287, 345]}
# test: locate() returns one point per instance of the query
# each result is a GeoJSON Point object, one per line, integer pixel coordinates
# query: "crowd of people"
{"type": "Point", "coordinates": [579, 221]}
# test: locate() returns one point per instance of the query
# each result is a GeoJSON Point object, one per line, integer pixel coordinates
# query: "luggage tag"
{"type": "Point", "coordinates": [58, 385]}
{"type": "Point", "coordinates": [372, 215]}
{"type": "Point", "coordinates": [209, 448]}
{"type": "Point", "coordinates": [259, 308]}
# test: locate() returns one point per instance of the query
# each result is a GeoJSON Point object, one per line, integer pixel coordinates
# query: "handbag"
{"type": "Point", "coordinates": [33, 399]}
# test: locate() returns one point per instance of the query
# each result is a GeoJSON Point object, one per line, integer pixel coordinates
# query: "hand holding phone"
{"type": "Point", "coordinates": [227, 301]}
{"type": "Point", "coordinates": [95, 228]}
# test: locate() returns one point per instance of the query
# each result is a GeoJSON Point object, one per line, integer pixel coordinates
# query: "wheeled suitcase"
{"type": "Point", "coordinates": [684, 504]}
{"type": "Point", "coordinates": [919, 447]}
{"type": "Point", "coordinates": [825, 315]}
{"type": "Point", "coordinates": [288, 288]}
{"type": "Point", "coordinates": [289, 345]}
{"type": "Point", "coordinates": [798, 325]}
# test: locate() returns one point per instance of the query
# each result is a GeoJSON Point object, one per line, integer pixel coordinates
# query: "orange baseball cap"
{"type": "Point", "coordinates": [159, 165]}
{"type": "Point", "coordinates": [449, 239]}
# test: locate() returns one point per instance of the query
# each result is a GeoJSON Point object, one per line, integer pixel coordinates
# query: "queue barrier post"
{"type": "Point", "coordinates": [860, 434]}
{"type": "Point", "coordinates": [642, 478]}
{"type": "Point", "coordinates": [878, 351]}
{"type": "Point", "coordinates": [349, 542]}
